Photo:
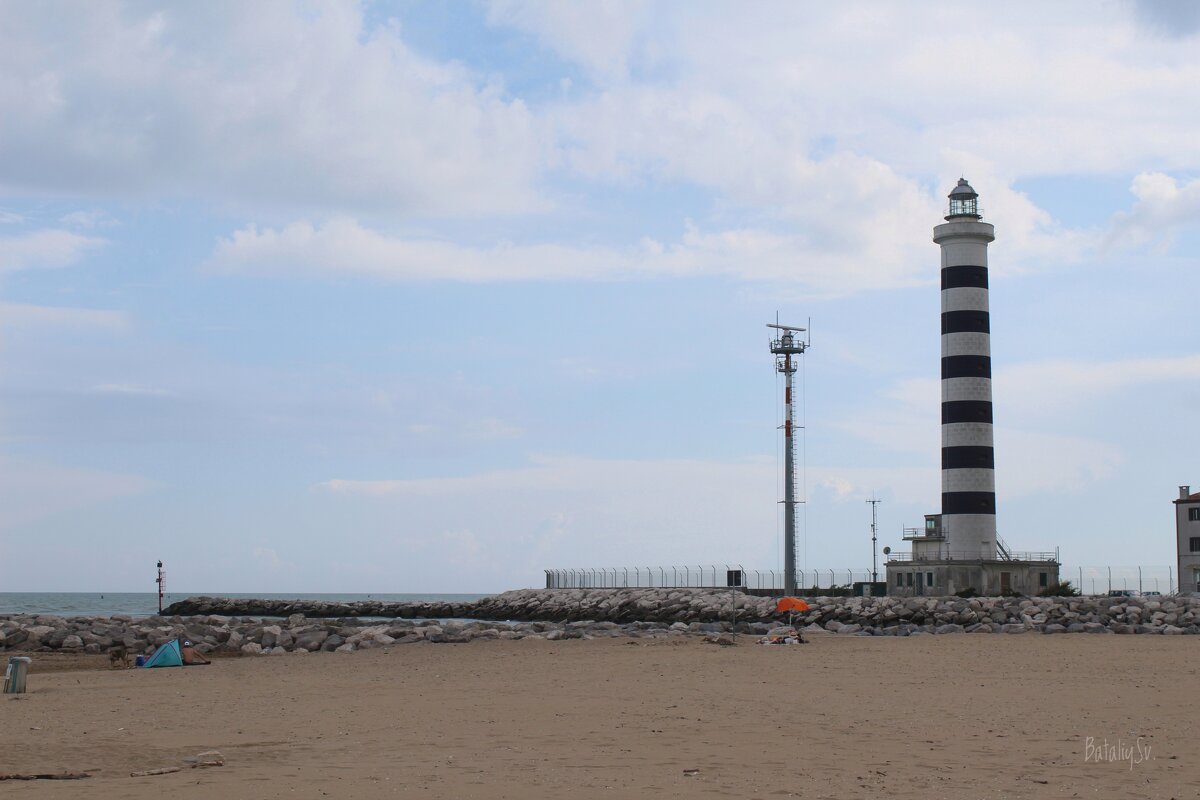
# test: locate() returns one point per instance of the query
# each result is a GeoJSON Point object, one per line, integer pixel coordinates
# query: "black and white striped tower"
{"type": "Point", "coordinates": [968, 462]}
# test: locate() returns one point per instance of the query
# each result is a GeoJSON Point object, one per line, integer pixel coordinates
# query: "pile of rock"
{"type": "Point", "coordinates": [582, 613]}
{"type": "Point", "coordinates": [299, 634]}
{"type": "Point", "coordinates": [1120, 615]}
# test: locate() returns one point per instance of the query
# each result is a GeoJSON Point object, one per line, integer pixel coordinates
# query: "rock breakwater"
{"type": "Point", "coordinates": [1120, 615]}
{"type": "Point", "coordinates": [247, 626]}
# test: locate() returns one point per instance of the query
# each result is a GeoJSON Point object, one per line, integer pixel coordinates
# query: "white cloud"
{"type": "Point", "coordinates": [130, 390]}
{"type": "Point", "coordinates": [1027, 393]}
{"type": "Point", "coordinates": [559, 511]}
{"type": "Point", "coordinates": [819, 129]}
{"type": "Point", "coordinates": [17, 315]}
{"type": "Point", "coordinates": [44, 248]}
{"type": "Point", "coordinates": [490, 429]}
{"type": "Point", "coordinates": [271, 104]}
{"type": "Point", "coordinates": [87, 219]}
{"type": "Point", "coordinates": [31, 491]}
{"type": "Point", "coordinates": [599, 35]}
{"type": "Point", "coordinates": [1164, 207]}
{"type": "Point", "coordinates": [1039, 463]}
{"type": "Point", "coordinates": [344, 246]}
{"type": "Point", "coordinates": [1047, 387]}
{"type": "Point", "coordinates": [597, 510]}
{"type": "Point", "coordinates": [1035, 400]}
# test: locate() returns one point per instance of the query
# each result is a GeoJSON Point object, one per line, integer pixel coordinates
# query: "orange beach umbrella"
{"type": "Point", "coordinates": [786, 604]}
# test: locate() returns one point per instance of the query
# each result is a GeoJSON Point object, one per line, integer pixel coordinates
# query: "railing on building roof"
{"type": "Point", "coordinates": [974, 555]}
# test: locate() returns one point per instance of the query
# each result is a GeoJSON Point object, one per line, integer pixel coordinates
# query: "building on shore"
{"type": "Point", "coordinates": [1187, 539]}
{"type": "Point", "coordinates": [959, 549]}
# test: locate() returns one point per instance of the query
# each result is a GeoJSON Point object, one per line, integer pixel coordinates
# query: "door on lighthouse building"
{"type": "Point", "coordinates": [1005, 583]}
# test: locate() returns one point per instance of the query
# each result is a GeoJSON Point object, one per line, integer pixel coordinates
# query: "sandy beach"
{"type": "Point", "coordinates": [920, 717]}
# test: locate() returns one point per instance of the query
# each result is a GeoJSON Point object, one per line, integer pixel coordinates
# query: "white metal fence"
{"type": "Point", "coordinates": [1102, 580]}
{"type": "Point", "coordinates": [700, 576]}
{"type": "Point", "coordinates": [1089, 580]}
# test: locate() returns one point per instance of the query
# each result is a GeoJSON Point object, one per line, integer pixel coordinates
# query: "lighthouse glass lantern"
{"type": "Point", "coordinates": [964, 202]}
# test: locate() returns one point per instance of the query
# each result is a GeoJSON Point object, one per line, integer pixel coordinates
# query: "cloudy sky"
{"type": "Point", "coordinates": [419, 297]}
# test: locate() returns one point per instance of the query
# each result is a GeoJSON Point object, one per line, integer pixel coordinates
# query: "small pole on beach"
{"type": "Point", "coordinates": [162, 578]}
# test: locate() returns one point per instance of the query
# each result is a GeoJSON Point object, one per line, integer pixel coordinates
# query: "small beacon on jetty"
{"type": "Point", "coordinates": [960, 548]}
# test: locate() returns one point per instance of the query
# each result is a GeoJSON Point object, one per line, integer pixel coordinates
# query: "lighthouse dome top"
{"type": "Point", "coordinates": [964, 201]}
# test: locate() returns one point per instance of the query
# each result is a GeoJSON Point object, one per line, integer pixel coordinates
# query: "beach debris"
{"type": "Point", "coordinates": [691, 773]}
{"type": "Point", "coordinates": [43, 776]}
{"type": "Point", "coordinates": [209, 758]}
{"type": "Point", "coordinates": [145, 773]}
{"type": "Point", "coordinates": [723, 639]}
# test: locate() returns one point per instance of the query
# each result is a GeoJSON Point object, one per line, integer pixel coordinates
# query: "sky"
{"type": "Point", "coordinates": [430, 297]}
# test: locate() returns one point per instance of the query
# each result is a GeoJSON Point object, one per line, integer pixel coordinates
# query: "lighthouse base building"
{"type": "Point", "coordinates": [933, 569]}
{"type": "Point", "coordinates": [960, 549]}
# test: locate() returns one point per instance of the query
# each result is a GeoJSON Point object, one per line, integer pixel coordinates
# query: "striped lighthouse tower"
{"type": "Point", "coordinates": [968, 463]}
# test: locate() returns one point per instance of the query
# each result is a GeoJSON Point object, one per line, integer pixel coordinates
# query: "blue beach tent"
{"type": "Point", "coordinates": [168, 655]}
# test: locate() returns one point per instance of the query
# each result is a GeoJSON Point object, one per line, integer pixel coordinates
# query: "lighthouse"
{"type": "Point", "coordinates": [968, 462]}
{"type": "Point", "coordinates": [959, 550]}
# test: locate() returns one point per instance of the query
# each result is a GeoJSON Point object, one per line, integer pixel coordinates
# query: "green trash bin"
{"type": "Point", "coordinates": [14, 676]}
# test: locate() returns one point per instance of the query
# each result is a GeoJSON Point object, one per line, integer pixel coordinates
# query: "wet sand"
{"type": "Point", "coordinates": [966, 716]}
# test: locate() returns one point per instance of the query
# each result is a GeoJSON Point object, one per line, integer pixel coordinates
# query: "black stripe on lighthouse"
{"type": "Point", "coordinates": [968, 457]}
{"type": "Point", "coordinates": [964, 277]}
{"type": "Point", "coordinates": [969, 503]}
{"type": "Point", "coordinates": [966, 322]}
{"type": "Point", "coordinates": [966, 411]}
{"type": "Point", "coordinates": [966, 367]}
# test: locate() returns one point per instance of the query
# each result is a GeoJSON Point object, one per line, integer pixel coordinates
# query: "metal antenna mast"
{"type": "Point", "coordinates": [874, 526]}
{"type": "Point", "coordinates": [784, 347]}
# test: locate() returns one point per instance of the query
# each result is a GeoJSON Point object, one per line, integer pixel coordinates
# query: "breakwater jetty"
{"type": "Point", "coordinates": [871, 614]}
{"type": "Point", "coordinates": [273, 626]}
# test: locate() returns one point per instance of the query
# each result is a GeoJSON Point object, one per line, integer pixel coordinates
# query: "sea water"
{"type": "Point", "coordinates": [140, 604]}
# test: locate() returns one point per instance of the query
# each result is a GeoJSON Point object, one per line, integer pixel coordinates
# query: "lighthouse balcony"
{"type": "Point", "coordinates": [924, 535]}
